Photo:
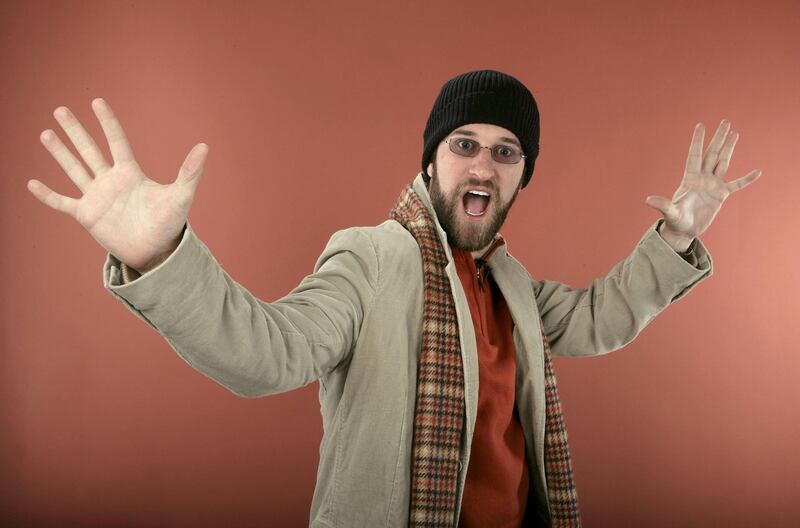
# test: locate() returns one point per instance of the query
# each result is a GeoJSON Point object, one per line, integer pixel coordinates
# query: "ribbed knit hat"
{"type": "Point", "coordinates": [484, 96]}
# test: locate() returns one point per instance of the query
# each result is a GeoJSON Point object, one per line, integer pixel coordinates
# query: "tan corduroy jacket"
{"type": "Point", "coordinates": [354, 325]}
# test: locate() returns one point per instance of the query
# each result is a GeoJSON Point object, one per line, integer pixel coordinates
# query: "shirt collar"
{"type": "Point", "coordinates": [498, 241]}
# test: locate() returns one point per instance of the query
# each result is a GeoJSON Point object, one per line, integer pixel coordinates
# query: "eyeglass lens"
{"type": "Point", "coordinates": [470, 148]}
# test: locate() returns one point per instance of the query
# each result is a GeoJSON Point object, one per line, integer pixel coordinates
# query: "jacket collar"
{"type": "Point", "coordinates": [497, 248]}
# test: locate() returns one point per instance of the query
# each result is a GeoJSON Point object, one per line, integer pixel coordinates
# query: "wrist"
{"type": "Point", "coordinates": [152, 264]}
{"type": "Point", "coordinates": [158, 259]}
{"type": "Point", "coordinates": [678, 242]}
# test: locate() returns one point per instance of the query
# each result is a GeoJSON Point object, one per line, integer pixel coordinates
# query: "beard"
{"type": "Point", "coordinates": [461, 233]}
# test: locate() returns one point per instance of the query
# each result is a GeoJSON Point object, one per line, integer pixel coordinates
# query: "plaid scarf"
{"type": "Point", "coordinates": [439, 414]}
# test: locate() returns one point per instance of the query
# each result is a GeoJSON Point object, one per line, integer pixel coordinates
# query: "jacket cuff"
{"type": "Point", "coordinates": [687, 269]}
{"type": "Point", "coordinates": [136, 291]}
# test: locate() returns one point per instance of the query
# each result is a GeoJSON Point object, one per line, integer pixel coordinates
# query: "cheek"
{"type": "Point", "coordinates": [449, 189]}
{"type": "Point", "coordinates": [448, 176]}
{"type": "Point", "coordinates": [510, 186]}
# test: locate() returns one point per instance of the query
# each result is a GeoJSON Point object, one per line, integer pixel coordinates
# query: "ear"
{"type": "Point", "coordinates": [429, 170]}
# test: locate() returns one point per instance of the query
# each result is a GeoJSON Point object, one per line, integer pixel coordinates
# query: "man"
{"type": "Point", "coordinates": [431, 343]}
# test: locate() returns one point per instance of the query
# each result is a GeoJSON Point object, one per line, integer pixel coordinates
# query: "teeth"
{"type": "Point", "coordinates": [479, 193]}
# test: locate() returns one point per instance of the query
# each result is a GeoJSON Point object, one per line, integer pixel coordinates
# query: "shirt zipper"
{"type": "Point", "coordinates": [481, 261]}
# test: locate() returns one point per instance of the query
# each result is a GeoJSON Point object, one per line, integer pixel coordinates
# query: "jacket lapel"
{"type": "Point", "coordinates": [516, 287]}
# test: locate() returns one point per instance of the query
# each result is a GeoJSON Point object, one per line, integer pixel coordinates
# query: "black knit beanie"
{"type": "Point", "coordinates": [484, 96]}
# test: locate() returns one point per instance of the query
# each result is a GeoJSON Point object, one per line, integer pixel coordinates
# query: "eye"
{"type": "Point", "coordinates": [505, 152]}
{"type": "Point", "coordinates": [465, 145]}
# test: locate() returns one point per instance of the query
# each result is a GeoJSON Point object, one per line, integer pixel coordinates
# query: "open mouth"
{"type": "Point", "coordinates": [476, 203]}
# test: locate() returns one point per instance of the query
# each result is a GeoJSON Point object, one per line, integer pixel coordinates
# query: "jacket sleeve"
{"type": "Point", "coordinates": [252, 347]}
{"type": "Point", "coordinates": [612, 311]}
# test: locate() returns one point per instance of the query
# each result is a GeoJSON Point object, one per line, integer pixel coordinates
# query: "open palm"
{"type": "Point", "coordinates": [136, 219]}
{"type": "Point", "coordinates": [703, 188]}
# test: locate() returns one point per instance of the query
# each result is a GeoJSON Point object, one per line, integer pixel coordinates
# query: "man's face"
{"type": "Point", "coordinates": [471, 222]}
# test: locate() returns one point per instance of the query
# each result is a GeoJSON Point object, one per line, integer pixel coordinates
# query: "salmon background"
{"type": "Point", "coordinates": [314, 112]}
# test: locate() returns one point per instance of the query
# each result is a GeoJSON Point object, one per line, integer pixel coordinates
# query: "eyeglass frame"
{"type": "Point", "coordinates": [490, 149]}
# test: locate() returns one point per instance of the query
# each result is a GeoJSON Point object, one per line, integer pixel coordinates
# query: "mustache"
{"type": "Point", "coordinates": [491, 186]}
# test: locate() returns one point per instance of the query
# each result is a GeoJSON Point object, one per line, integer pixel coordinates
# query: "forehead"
{"type": "Point", "coordinates": [487, 132]}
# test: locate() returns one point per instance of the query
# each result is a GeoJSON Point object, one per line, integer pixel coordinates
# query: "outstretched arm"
{"type": "Point", "coordinates": [252, 347]}
{"type": "Point", "coordinates": [614, 309]}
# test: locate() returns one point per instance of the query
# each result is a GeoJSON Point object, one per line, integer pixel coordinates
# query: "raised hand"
{"type": "Point", "coordinates": [136, 219]}
{"type": "Point", "coordinates": [703, 189]}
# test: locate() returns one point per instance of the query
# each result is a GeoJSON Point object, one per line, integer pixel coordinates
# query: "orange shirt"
{"type": "Point", "coordinates": [496, 488]}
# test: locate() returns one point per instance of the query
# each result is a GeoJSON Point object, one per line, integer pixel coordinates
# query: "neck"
{"type": "Point", "coordinates": [481, 252]}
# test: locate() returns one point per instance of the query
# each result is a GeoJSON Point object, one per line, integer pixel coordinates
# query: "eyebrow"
{"type": "Point", "coordinates": [465, 132]}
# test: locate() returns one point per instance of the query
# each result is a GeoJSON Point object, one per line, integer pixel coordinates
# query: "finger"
{"type": "Point", "coordinates": [667, 208]}
{"type": "Point", "coordinates": [190, 172]}
{"type": "Point", "coordinates": [83, 142]}
{"type": "Point", "coordinates": [193, 165]}
{"type": "Point", "coordinates": [74, 169]}
{"type": "Point", "coordinates": [117, 140]}
{"type": "Point", "coordinates": [712, 152]}
{"type": "Point", "coordinates": [48, 197]}
{"type": "Point", "coordinates": [744, 181]}
{"type": "Point", "coordinates": [725, 155]}
{"type": "Point", "coordinates": [694, 161]}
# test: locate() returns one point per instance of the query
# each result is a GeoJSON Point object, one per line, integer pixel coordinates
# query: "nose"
{"type": "Point", "coordinates": [483, 164]}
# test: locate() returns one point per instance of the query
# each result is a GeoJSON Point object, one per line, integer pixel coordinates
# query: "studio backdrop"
{"type": "Point", "coordinates": [313, 113]}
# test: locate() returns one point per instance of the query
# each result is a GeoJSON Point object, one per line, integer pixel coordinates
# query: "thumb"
{"type": "Point", "coordinates": [666, 207]}
{"type": "Point", "coordinates": [193, 165]}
